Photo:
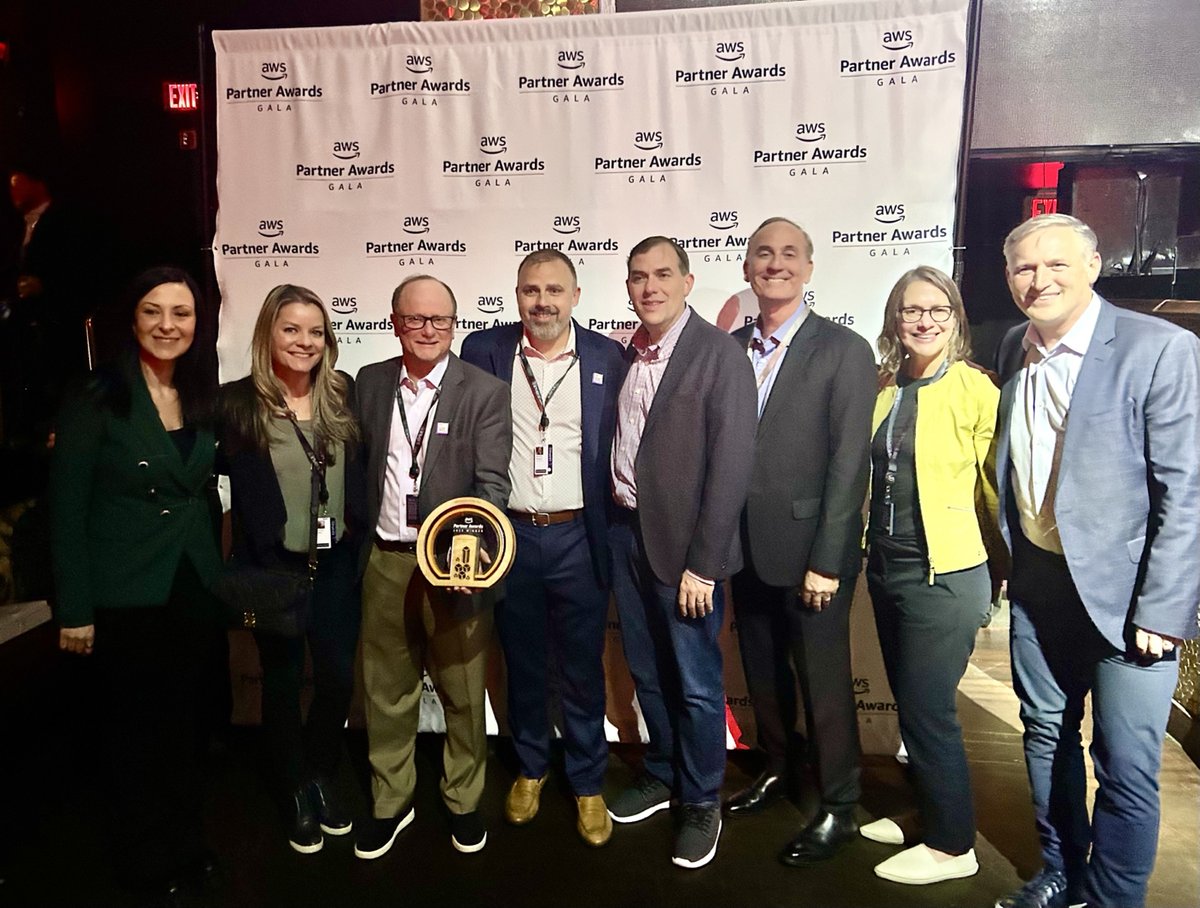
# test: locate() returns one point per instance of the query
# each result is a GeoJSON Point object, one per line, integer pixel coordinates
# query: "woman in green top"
{"type": "Point", "coordinates": [134, 544]}
{"type": "Point", "coordinates": [294, 393]}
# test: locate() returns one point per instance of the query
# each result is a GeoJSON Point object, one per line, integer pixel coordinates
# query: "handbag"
{"type": "Point", "coordinates": [276, 600]}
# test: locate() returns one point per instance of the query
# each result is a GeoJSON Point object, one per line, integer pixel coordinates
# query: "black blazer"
{"type": "Point", "coordinates": [812, 456]}
{"type": "Point", "coordinates": [258, 510]}
{"type": "Point", "coordinates": [493, 350]}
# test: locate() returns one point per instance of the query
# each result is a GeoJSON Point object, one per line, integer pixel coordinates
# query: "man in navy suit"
{"type": "Point", "coordinates": [1099, 486]}
{"type": "Point", "coordinates": [564, 381]}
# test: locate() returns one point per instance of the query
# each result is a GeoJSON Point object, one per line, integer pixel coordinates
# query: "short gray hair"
{"type": "Point", "coordinates": [1044, 222]}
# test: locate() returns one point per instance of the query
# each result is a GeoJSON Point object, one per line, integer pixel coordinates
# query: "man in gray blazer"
{"type": "Point", "coordinates": [680, 468]}
{"type": "Point", "coordinates": [802, 536]}
{"type": "Point", "coordinates": [1099, 485]}
{"type": "Point", "coordinates": [434, 428]}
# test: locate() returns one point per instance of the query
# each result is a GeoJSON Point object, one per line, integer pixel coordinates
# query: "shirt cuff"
{"type": "Point", "coordinates": [698, 578]}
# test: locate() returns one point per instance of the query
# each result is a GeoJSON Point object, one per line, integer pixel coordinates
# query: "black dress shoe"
{"type": "Point", "coordinates": [760, 794]}
{"type": "Point", "coordinates": [820, 839]}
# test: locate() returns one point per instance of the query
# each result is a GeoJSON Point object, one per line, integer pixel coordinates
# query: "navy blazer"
{"type": "Point", "coordinates": [494, 350]}
{"type": "Point", "coordinates": [1128, 494]}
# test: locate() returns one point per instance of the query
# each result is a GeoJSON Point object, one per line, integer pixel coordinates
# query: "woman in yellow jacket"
{"type": "Point", "coordinates": [933, 495]}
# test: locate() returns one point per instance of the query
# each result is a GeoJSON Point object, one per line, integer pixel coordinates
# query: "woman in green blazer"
{"type": "Point", "coordinates": [134, 545]}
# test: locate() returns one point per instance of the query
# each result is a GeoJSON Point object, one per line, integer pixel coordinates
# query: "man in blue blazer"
{"type": "Point", "coordinates": [564, 381]}
{"type": "Point", "coordinates": [1099, 486]}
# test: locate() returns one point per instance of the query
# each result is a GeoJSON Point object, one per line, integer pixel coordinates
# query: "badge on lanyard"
{"type": "Point", "coordinates": [326, 530]}
{"type": "Point", "coordinates": [543, 460]}
{"type": "Point", "coordinates": [412, 511]}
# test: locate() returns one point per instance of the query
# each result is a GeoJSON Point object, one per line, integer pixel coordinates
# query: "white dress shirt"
{"type": "Point", "coordinates": [765, 353]}
{"type": "Point", "coordinates": [1041, 407]}
{"type": "Point", "coordinates": [419, 408]}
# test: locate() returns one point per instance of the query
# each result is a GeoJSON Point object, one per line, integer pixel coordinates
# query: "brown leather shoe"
{"type": "Point", "coordinates": [523, 800]}
{"type": "Point", "coordinates": [595, 825]}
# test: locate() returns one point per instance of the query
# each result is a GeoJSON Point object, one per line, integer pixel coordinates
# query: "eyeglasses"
{"type": "Point", "coordinates": [912, 314]}
{"type": "Point", "coordinates": [417, 322]}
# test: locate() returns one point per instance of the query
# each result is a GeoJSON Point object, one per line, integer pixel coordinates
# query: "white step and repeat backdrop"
{"type": "Point", "coordinates": [352, 157]}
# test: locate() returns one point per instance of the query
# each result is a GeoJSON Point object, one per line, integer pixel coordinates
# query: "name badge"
{"type": "Point", "coordinates": [543, 460]}
{"type": "Point", "coordinates": [443, 428]}
{"type": "Point", "coordinates": [412, 511]}
{"type": "Point", "coordinates": [597, 378]}
{"type": "Point", "coordinates": [326, 531]}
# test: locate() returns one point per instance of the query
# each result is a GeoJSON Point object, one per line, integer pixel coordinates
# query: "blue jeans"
{"type": "Point", "coordinates": [677, 669]}
{"type": "Point", "coordinates": [1058, 657]}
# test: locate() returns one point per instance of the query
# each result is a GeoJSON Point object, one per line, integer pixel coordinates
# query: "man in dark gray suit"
{"type": "Point", "coordinates": [434, 428]}
{"type": "Point", "coordinates": [1099, 484]}
{"type": "Point", "coordinates": [680, 468]}
{"type": "Point", "coordinates": [802, 536]}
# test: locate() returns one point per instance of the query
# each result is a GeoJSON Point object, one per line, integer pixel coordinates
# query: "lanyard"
{"type": "Point", "coordinates": [780, 349]}
{"type": "Point", "coordinates": [893, 446]}
{"type": "Point", "coordinates": [315, 460]}
{"type": "Point", "coordinates": [544, 422]}
{"type": "Point", "coordinates": [415, 446]}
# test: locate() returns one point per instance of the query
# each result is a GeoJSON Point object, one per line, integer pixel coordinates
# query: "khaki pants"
{"type": "Point", "coordinates": [407, 626]}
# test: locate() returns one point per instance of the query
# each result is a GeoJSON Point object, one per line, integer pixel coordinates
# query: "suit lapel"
{"type": "Point", "coordinates": [383, 407]}
{"type": "Point", "coordinates": [789, 367]}
{"type": "Point", "coordinates": [591, 395]}
{"type": "Point", "coordinates": [1091, 391]}
{"type": "Point", "coordinates": [504, 350]}
{"type": "Point", "coordinates": [680, 357]}
{"type": "Point", "coordinates": [448, 401]}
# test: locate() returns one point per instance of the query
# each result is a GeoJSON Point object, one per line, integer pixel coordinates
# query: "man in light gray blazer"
{"type": "Point", "coordinates": [681, 461]}
{"type": "Point", "coordinates": [1099, 484]}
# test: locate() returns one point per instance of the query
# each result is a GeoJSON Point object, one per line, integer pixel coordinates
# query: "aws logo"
{"type": "Point", "coordinates": [889, 214]}
{"type": "Point", "coordinates": [730, 51]}
{"type": "Point", "coordinates": [419, 63]}
{"type": "Point", "coordinates": [648, 141]}
{"type": "Point", "coordinates": [571, 59]}
{"type": "Point", "coordinates": [901, 39]}
{"type": "Point", "coordinates": [345, 150]}
{"type": "Point", "coordinates": [274, 71]}
{"type": "Point", "coordinates": [271, 228]}
{"type": "Point", "coordinates": [344, 305]}
{"type": "Point", "coordinates": [723, 220]}
{"type": "Point", "coordinates": [493, 144]}
{"type": "Point", "coordinates": [415, 223]}
{"type": "Point", "coordinates": [810, 132]}
{"type": "Point", "coordinates": [862, 686]}
{"type": "Point", "coordinates": [491, 304]}
{"type": "Point", "coordinates": [566, 223]}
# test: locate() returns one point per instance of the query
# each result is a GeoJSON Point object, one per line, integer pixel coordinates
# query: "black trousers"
{"type": "Point", "coordinates": [927, 634]}
{"type": "Point", "coordinates": [149, 674]}
{"type": "Point", "coordinates": [297, 748]}
{"type": "Point", "coordinates": [775, 632]}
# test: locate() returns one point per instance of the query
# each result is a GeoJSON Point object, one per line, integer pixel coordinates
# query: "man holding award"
{"type": "Point", "coordinates": [434, 429]}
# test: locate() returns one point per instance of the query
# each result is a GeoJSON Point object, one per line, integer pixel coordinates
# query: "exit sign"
{"type": "Point", "coordinates": [181, 96]}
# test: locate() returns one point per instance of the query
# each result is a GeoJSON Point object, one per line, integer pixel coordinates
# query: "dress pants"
{"type": "Point", "coordinates": [1058, 657]}
{"type": "Point", "coordinates": [407, 626]}
{"type": "Point", "coordinates": [677, 671]}
{"type": "Point", "coordinates": [554, 614]}
{"type": "Point", "coordinates": [300, 749]}
{"type": "Point", "coordinates": [149, 668]}
{"type": "Point", "coordinates": [775, 631]}
{"type": "Point", "coordinates": [927, 634]}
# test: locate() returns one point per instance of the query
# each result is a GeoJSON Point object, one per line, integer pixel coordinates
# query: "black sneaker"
{"type": "Point", "coordinates": [696, 841]}
{"type": "Point", "coordinates": [467, 833]}
{"type": "Point", "coordinates": [333, 820]}
{"type": "Point", "coordinates": [305, 835]}
{"type": "Point", "coordinates": [375, 836]}
{"type": "Point", "coordinates": [645, 796]}
{"type": "Point", "coordinates": [1046, 890]}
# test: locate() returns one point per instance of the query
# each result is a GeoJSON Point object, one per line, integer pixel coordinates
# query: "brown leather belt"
{"type": "Point", "coordinates": [544, 518]}
{"type": "Point", "coordinates": [394, 545]}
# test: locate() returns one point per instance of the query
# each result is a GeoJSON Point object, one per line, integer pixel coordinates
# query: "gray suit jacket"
{"type": "Point", "coordinates": [1128, 495]}
{"type": "Point", "coordinates": [812, 457]}
{"type": "Point", "coordinates": [693, 464]}
{"type": "Point", "coordinates": [471, 458]}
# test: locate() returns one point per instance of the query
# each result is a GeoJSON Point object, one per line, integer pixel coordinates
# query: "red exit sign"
{"type": "Point", "coordinates": [181, 96]}
{"type": "Point", "coordinates": [1045, 202]}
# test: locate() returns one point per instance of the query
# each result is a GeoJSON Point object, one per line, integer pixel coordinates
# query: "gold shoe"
{"type": "Point", "coordinates": [595, 825]}
{"type": "Point", "coordinates": [523, 801]}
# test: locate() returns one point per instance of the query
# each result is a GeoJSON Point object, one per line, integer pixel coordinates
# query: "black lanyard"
{"type": "Point", "coordinates": [316, 458]}
{"type": "Point", "coordinates": [415, 446]}
{"type": "Point", "coordinates": [544, 422]}
{"type": "Point", "coordinates": [893, 448]}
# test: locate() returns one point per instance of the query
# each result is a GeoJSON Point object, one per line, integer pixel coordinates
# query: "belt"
{"type": "Point", "coordinates": [544, 518]}
{"type": "Point", "coordinates": [394, 545]}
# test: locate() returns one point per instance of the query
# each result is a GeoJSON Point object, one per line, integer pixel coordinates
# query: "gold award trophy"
{"type": "Point", "coordinates": [466, 542]}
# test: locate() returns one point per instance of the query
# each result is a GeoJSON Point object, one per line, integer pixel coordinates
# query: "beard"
{"type": "Point", "coordinates": [546, 330]}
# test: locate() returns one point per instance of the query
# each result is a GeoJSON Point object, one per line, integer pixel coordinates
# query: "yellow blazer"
{"type": "Point", "coordinates": [956, 470]}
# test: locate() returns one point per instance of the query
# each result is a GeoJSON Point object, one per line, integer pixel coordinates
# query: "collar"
{"type": "Point", "coordinates": [568, 350]}
{"type": "Point", "coordinates": [431, 380]}
{"type": "Point", "coordinates": [1077, 340]}
{"type": "Point", "coordinates": [641, 338]}
{"type": "Point", "coordinates": [780, 335]}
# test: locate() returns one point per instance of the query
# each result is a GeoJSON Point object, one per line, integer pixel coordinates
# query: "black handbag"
{"type": "Point", "coordinates": [276, 600]}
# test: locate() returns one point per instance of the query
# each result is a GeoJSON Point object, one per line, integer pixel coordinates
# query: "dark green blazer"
{"type": "Point", "coordinates": [124, 506]}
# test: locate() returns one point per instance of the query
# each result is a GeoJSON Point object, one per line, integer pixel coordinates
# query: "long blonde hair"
{"type": "Point", "coordinates": [332, 420]}
{"type": "Point", "coordinates": [891, 350]}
